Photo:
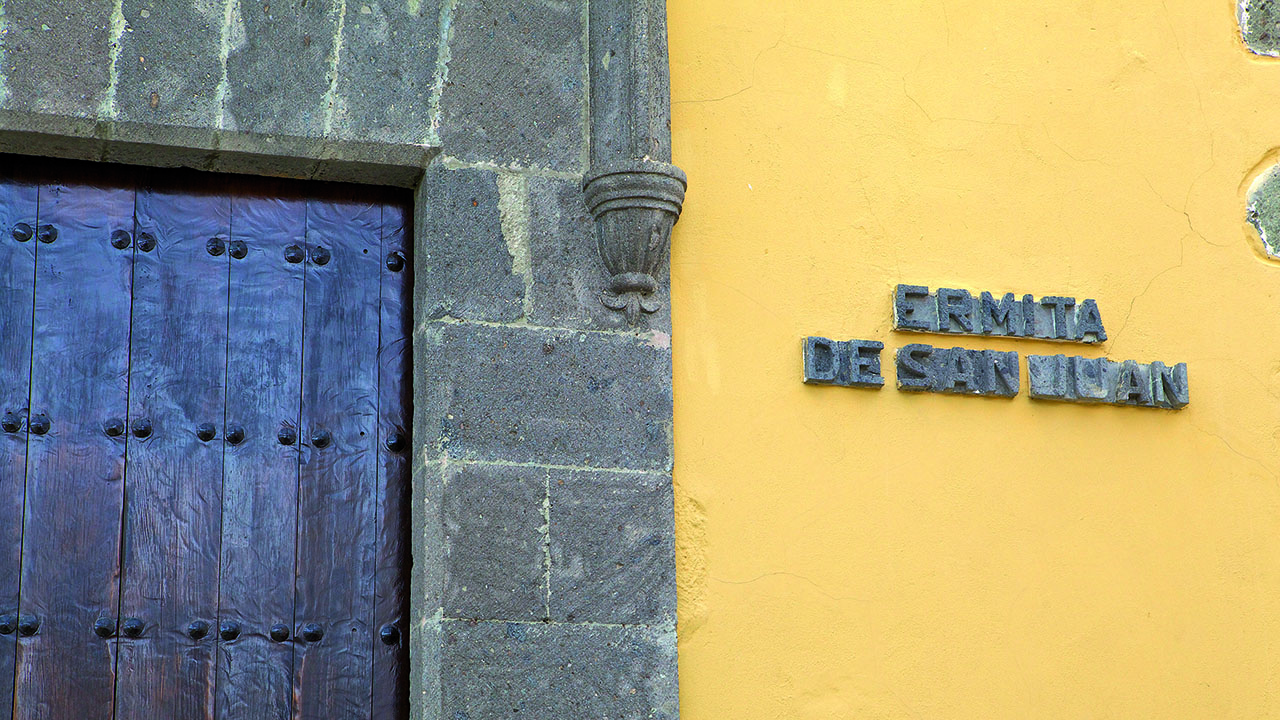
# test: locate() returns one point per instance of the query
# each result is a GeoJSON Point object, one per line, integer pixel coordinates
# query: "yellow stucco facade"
{"type": "Point", "coordinates": [849, 553]}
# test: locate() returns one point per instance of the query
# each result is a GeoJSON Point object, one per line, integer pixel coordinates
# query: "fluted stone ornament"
{"type": "Point", "coordinates": [635, 205]}
{"type": "Point", "coordinates": [633, 191]}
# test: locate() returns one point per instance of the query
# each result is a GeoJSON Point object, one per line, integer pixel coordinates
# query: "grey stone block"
{"type": "Point", "coordinates": [387, 70]}
{"type": "Point", "coordinates": [57, 55]}
{"type": "Point", "coordinates": [516, 90]}
{"type": "Point", "coordinates": [568, 275]}
{"type": "Point", "coordinates": [536, 395]}
{"type": "Point", "coordinates": [465, 268]}
{"type": "Point", "coordinates": [278, 69]}
{"type": "Point", "coordinates": [1260, 26]}
{"type": "Point", "coordinates": [169, 65]}
{"type": "Point", "coordinates": [494, 542]}
{"type": "Point", "coordinates": [612, 548]}
{"type": "Point", "coordinates": [554, 672]}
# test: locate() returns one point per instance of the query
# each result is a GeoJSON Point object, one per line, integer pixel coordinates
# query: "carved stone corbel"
{"type": "Point", "coordinates": [633, 191]}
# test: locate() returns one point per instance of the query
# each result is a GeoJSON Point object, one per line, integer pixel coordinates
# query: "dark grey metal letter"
{"type": "Point", "coordinates": [822, 360]}
{"type": "Point", "coordinates": [955, 308]}
{"type": "Point", "coordinates": [1169, 386]}
{"type": "Point", "coordinates": [906, 312]}
{"type": "Point", "coordinates": [1048, 374]}
{"type": "Point", "coordinates": [1028, 328]}
{"type": "Point", "coordinates": [955, 371]}
{"type": "Point", "coordinates": [998, 315]}
{"type": "Point", "coordinates": [1089, 321]}
{"type": "Point", "coordinates": [913, 367]}
{"type": "Point", "coordinates": [1133, 385]}
{"type": "Point", "coordinates": [864, 362]}
{"type": "Point", "coordinates": [1060, 306]}
{"type": "Point", "coordinates": [1001, 375]}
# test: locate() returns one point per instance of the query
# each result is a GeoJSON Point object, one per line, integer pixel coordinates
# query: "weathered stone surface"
{"type": "Point", "coordinates": [36, 134]}
{"type": "Point", "coordinates": [387, 70]}
{"type": "Point", "coordinates": [545, 396]}
{"type": "Point", "coordinates": [494, 542]}
{"type": "Point", "coordinates": [516, 90]}
{"type": "Point", "coordinates": [1099, 380]}
{"type": "Point", "coordinates": [851, 363]}
{"type": "Point", "coordinates": [464, 266]}
{"type": "Point", "coordinates": [1260, 26]}
{"type": "Point", "coordinates": [57, 55]}
{"type": "Point", "coordinates": [169, 64]}
{"type": "Point", "coordinates": [568, 276]}
{"type": "Point", "coordinates": [278, 69]}
{"type": "Point", "coordinates": [558, 671]}
{"type": "Point", "coordinates": [612, 548]}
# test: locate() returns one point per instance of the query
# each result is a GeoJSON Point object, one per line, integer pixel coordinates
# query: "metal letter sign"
{"type": "Point", "coordinates": [924, 368]}
{"type": "Point", "coordinates": [203, 448]}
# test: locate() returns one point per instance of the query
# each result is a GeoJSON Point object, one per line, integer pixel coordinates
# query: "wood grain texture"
{"type": "Point", "coordinates": [336, 518]}
{"type": "Point", "coordinates": [174, 481]}
{"type": "Point", "coordinates": [391, 653]}
{"type": "Point", "coordinates": [71, 547]}
{"type": "Point", "coordinates": [174, 527]}
{"type": "Point", "coordinates": [17, 295]}
{"type": "Point", "coordinates": [260, 489]}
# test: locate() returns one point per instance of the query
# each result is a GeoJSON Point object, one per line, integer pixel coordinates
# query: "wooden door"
{"type": "Point", "coordinates": [203, 446]}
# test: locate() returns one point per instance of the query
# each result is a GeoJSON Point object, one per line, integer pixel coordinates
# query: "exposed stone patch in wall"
{"type": "Point", "coordinates": [1260, 26]}
{"type": "Point", "coordinates": [1263, 211]}
{"type": "Point", "coordinates": [691, 551]}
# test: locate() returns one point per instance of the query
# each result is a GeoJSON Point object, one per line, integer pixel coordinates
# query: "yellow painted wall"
{"type": "Point", "coordinates": [876, 554]}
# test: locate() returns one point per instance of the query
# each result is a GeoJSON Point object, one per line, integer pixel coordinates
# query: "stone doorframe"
{"type": "Point", "coordinates": [544, 571]}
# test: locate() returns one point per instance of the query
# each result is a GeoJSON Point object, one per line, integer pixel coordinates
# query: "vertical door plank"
{"type": "Point", "coordinates": [17, 297]}
{"type": "Point", "coordinates": [336, 515]}
{"type": "Point", "coordinates": [79, 382]}
{"type": "Point", "coordinates": [259, 532]}
{"type": "Point", "coordinates": [174, 480]}
{"type": "Point", "coordinates": [390, 649]}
